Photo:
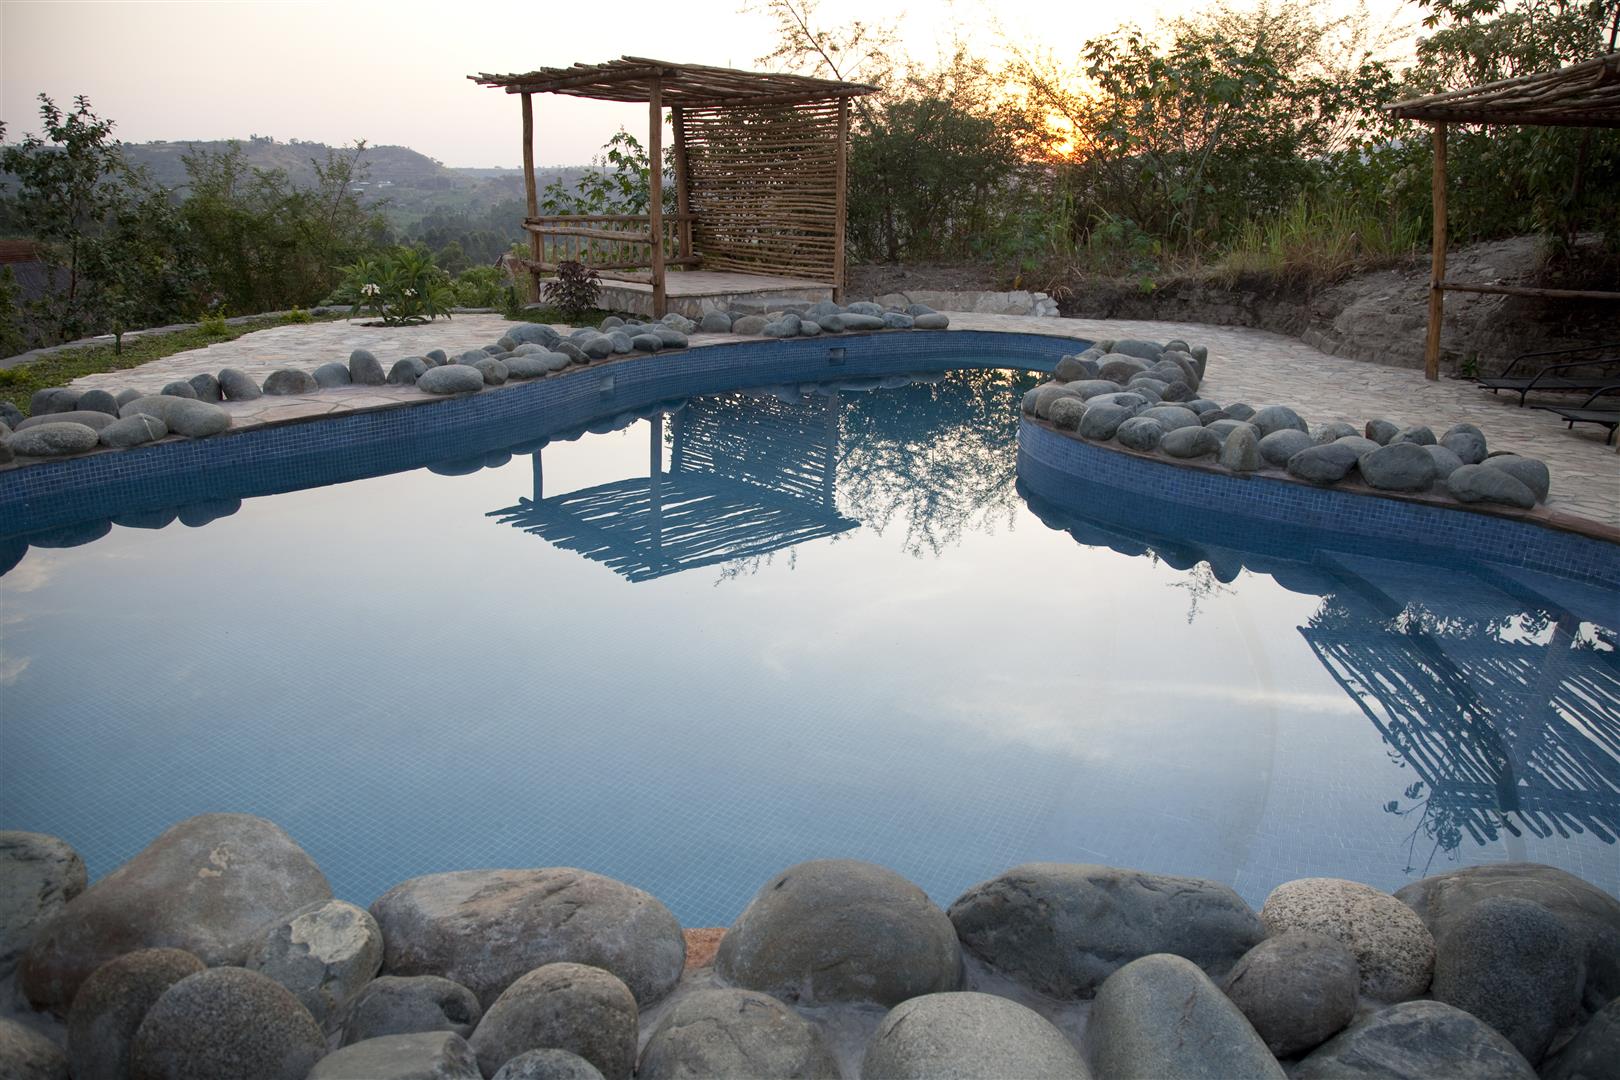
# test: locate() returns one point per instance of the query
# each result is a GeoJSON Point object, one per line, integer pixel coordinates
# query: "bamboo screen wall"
{"type": "Point", "coordinates": [763, 187]}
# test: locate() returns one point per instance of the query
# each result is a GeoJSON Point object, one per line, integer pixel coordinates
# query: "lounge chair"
{"type": "Point", "coordinates": [1586, 414]}
{"type": "Point", "coordinates": [1548, 380]}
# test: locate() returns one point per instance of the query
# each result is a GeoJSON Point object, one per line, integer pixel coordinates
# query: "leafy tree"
{"type": "Point", "coordinates": [618, 182]}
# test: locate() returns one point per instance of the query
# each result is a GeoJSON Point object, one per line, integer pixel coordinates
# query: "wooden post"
{"type": "Point", "coordinates": [655, 194]}
{"type": "Point", "coordinates": [1437, 268]}
{"type": "Point", "coordinates": [841, 200]}
{"type": "Point", "coordinates": [683, 231]}
{"type": "Point", "coordinates": [530, 192]}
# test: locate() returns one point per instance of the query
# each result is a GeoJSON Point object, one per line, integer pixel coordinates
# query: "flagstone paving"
{"type": "Point", "coordinates": [1255, 366]}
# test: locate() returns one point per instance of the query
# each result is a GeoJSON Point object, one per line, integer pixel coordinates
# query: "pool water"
{"type": "Point", "coordinates": [798, 622]}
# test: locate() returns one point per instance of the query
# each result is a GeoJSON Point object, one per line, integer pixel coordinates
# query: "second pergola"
{"type": "Point", "coordinates": [761, 175]}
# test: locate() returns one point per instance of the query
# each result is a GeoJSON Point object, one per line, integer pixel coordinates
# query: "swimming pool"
{"type": "Point", "coordinates": [810, 618]}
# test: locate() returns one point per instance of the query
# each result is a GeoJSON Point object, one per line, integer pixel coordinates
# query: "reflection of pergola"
{"type": "Point", "coordinates": [761, 166]}
{"type": "Point", "coordinates": [747, 476]}
{"type": "Point", "coordinates": [1581, 95]}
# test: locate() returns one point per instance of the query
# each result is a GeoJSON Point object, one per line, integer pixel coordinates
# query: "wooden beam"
{"type": "Point", "coordinates": [655, 193]}
{"type": "Point", "coordinates": [1437, 268]}
{"type": "Point", "coordinates": [530, 192]}
{"type": "Point", "coordinates": [840, 200]}
{"type": "Point", "coordinates": [1529, 290]}
{"type": "Point", "coordinates": [683, 235]}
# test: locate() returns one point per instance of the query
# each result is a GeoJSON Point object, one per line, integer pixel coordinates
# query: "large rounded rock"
{"type": "Point", "coordinates": [1416, 433]}
{"type": "Point", "coordinates": [209, 885]}
{"type": "Point", "coordinates": [55, 439]}
{"type": "Point", "coordinates": [325, 953]}
{"type": "Point", "coordinates": [451, 379]}
{"type": "Point", "coordinates": [25, 1054]}
{"type": "Point", "coordinates": [180, 388]}
{"type": "Point", "coordinates": [1531, 473]}
{"type": "Point", "coordinates": [1326, 464]}
{"type": "Point", "coordinates": [1467, 442]}
{"type": "Point", "coordinates": [94, 419]}
{"type": "Point", "coordinates": [965, 1036]}
{"type": "Point", "coordinates": [1063, 928]}
{"type": "Point", "coordinates": [182, 416]}
{"type": "Point", "coordinates": [406, 371]}
{"type": "Point", "coordinates": [1481, 483]}
{"type": "Point", "coordinates": [206, 387]}
{"type": "Point", "coordinates": [365, 369]}
{"type": "Point", "coordinates": [108, 1009]}
{"type": "Point", "coordinates": [1399, 466]}
{"type": "Point", "coordinates": [1274, 418]}
{"type": "Point", "coordinates": [226, 1021]}
{"type": "Point", "coordinates": [237, 385]}
{"type": "Point", "coordinates": [133, 431]}
{"type": "Point", "coordinates": [1297, 989]}
{"type": "Point", "coordinates": [101, 401]}
{"type": "Point", "coordinates": [1513, 964]}
{"type": "Point", "coordinates": [284, 381]}
{"type": "Point", "coordinates": [1381, 431]}
{"type": "Point", "coordinates": [1140, 433]}
{"type": "Point", "coordinates": [485, 928]}
{"type": "Point", "coordinates": [1592, 915]}
{"type": "Point", "coordinates": [39, 874]}
{"type": "Point", "coordinates": [332, 375]}
{"type": "Point", "coordinates": [1445, 462]}
{"type": "Point", "coordinates": [1392, 947]}
{"type": "Point", "coordinates": [548, 1065]}
{"type": "Point", "coordinates": [1172, 417]}
{"type": "Point", "coordinates": [841, 930]}
{"type": "Point", "coordinates": [1594, 1052]}
{"type": "Point", "coordinates": [1277, 447]}
{"type": "Point", "coordinates": [1066, 413]}
{"type": "Point", "coordinates": [1190, 442]}
{"type": "Point", "coordinates": [735, 1033]}
{"type": "Point", "coordinates": [1102, 420]}
{"type": "Point", "coordinates": [1416, 1040]}
{"type": "Point", "coordinates": [401, 1005]}
{"type": "Point", "coordinates": [434, 1055]}
{"type": "Point", "coordinates": [572, 1007]}
{"type": "Point", "coordinates": [1160, 1016]}
{"type": "Point", "coordinates": [1240, 450]}
{"type": "Point", "coordinates": [1049, 393]}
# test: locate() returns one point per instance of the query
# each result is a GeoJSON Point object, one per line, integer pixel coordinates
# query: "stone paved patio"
{"type": "Point", "coordinates": [1255, 366]}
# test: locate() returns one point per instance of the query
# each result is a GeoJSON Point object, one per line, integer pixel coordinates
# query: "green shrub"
{"type": "Point", "coordinates": [481, 286]}
{"type": "Point", "coordinates": [575, 289]}
{"type": "Point", "coordinates": [402, 288]}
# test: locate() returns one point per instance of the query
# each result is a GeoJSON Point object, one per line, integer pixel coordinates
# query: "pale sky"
{"type": "Point", "coordinates": [394, 73]}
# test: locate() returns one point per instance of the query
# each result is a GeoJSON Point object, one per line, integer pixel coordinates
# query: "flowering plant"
{"type": "Point", "coordinates": [403, 288]}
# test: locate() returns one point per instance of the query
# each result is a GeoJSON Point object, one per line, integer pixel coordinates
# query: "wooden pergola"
{"type": "Point", "coordinates": [1580, 95]}
{"type": "Point", "coordinates": [761, 174]}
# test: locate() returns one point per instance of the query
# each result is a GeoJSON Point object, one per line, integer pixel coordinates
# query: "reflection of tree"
{"type": "Point", "coordinates": [939, 455]}
{"type": "Point", "coordinates": [1200, 583]}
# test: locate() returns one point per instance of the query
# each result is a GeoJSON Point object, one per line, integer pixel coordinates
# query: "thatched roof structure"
{"type": "Point", "coordinates": [1580, 95]}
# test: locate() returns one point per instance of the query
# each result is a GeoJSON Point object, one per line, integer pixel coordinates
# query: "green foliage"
{"type": "Point", "coordinates": [12, 338]}
{"type": "Point", "coordinates": [618, 182]}
{"type": "Point", "coordinates": [575, 289]}
{"type": "Point", "coordinates": [299, 315]}
{"type": "Point", "coordinates": [401, 287]}
{"type": "Point", "coordinates": [482, 286]}
{"type": "Point", "coordinates": [214, 326]}
{"type": "Point", "coordinates": [1320, 239]}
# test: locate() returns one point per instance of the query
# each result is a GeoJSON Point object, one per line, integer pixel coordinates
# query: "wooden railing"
{"type": "Point", "coordinates": [617, 246]}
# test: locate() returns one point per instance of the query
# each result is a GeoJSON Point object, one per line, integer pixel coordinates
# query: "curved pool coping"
{"type": "Point", "coordinates": [396, 435]}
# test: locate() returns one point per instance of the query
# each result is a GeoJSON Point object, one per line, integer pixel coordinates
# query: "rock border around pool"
{"type": "Point", "coordinates": [836, 967]}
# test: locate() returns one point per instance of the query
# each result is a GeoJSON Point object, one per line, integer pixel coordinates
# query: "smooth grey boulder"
{"type": "Point", "coordinates": [1148, 387]}
{"type": "Point", "coordinates": [1062, 928]}
{"type": "Point", "coordinates": [98, 401]}
{"type": "Point", "coordinates": [808, 328]}
{"type": "Point", "coordinates": [1381, 431]}
{"type": "Point", "coordinates": [25, 1054]}
{"type": "Point", "coordinates": [53, 399]}
{"type": "Point", "coordinates": [109, 1008]}
{"type": "Point", "coordinates": [864, 307]}
{"type": "Point", "coordinates": [10, 415]}
{"type": "Point", "coordinates": [1066, 413]}
{"type": "Point", "coordinates": [7, 456]}
{"type": "Point", "coordinates": [966, 1036]}
{"type": "Point", "coordinates": [1141, 433]}
{"type": "Point", "coordinates": [226, 1022]}
{"type": "Point", "coordinates": [1239, 411]}
{"type": "Point", "coordinates": [39, 874]}
{"type": "Point", "coordinates": [1275, 418]}
{"type": "Point", "coordinates": [827, 307]}
{"type": "Point", "coordinates": [1445, 462]}
{"type": "Point", "coordinates": [430, 1055]}
{"type": "Point", "coordinates": [1466, 442]}
{"type": "Point", "coordinates": [193, 419]}
{"type": "Point", "coordinates": [1190, 442]}
{"type": "Point", "coordinates": [1325, 464]}
{"type": "Point", "coordinates": [1224, 427]}
{"type": "Point", "coordinates": [1172, 417]}
{"type": "Point", "coordinates": [1120, 369]}
{"type": "Point", "coordinates": [1359, 443]}
{"type": "Point", "coordinates": [600, 346]}
{"type": "Point", "coordinates": [735, 1033]}
{"type": "Point", "coordinates": [1047, 393]}
{"type": "Point", "coordinates": [399, 1005]}
{"type": "Point", "coordinates": [1592, 915]}
{"type": "Point", "coordinates": [179, 388]}
{"type": "Point", "coordinates": [133, 431]}
{"type": "Point", "coordinates": [647, 343]}
{"type": "Point", "coordinates": [1027, 402]}
{"type": "Point", "coordinates": [1297, 989]}
{"type": "Point", "coordinates": [1392, 947]}
{"type": "Point", "coordinates": [1594, 1052]}
{"type": "Point", "coordinates": [471, 357]}
{"type": "Point", "coordinates": [715, 322]}
{"type": "Point", "coordinates": [839, 930]}
{"type": "Point", "coordinates": [1277, 447]}
{"type": "Point", "coordinates": [325, 953]}
{"type": "Point", "coordinates": [1090, 388]}
{"type": "Point", "coordinates": [573, 1007]}
{"type": "Point", "coordinates": [548, 1065]}
{"type": "Point", "coordinates": [495, 372]}
{"type": "Point", "coordinates": [931, 320]}
{"type": "Point", "coordinates": [897, 320]}
{"type": "Point", "coordinates": [439, 358]}
{"type": "Point", "coordinates": [283, 381]}
{"type": "Point", "coordinates": [92, 419]}
{"type": "Point", "coordinates": [784, 327]}
{"type": "Point", "coordinates": [451, 379]}
{"type": "Point", "coordinates": [1416, 433]}
{"type": "Point", "coordinates": [485, 928]}
{"type": "Point", "coordinates": [1160, 1016]}
{"type": "Point", "coordinates": [330, 375]}
{"type": "Point", "coordinates": [1513, 964]}
{"type": "Point", "coordinates": [526, 367]}
{"type": "Point", "coordinates": [365, 369]}
{"type": "Point", "coordinates": [53, 439]}
{"type": "Point", "coordinates": [1125, 399]}
{"type": "Point", "coordinates": [1143, 350]}
{"type": "Point", "coordinates": [621, 343]}
{"type": "Point", "coordinates": [1334, 431]}
{"type": "Point", "coordinates": [1102, 420]}
{"type": "Point", "coordinates": [754, 324]}
{"type": "Point", "coordinates": [1531, 473]}
{"type": "Point", "coordinates": [209, 885]}
{"type": "Point", "coordinates": [1074, 369]}
{"type": "Point", "coordinates": [1403, 466]}
{"type": "Point", "coordinates": [1240, 451]}
{"type": "Point", "coordinates": [1481, 483]}
{"type": "Point", "coordinates": [861, 321]}
{"type": "Point", "coordinates": [236, 385]}
{"type": "Point", "coordinates": [406, 371]}
{"type": "Point", "coordinates": [523, 333]}
{"type": "Point", "coordinates": [1416, 1040]}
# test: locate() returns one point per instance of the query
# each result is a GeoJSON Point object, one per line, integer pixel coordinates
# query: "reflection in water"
{"type": "Point", "coordinates": [1503, 701]}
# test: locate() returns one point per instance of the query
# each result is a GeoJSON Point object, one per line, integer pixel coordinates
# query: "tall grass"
{"type": "Point", "coordinates": [1318, 238]}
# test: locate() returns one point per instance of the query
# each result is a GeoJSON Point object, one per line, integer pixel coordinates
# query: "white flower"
{"type": "Point", "coordinates": [410, 292]}
{"type": "Point", "coordinates": [370, 288]}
